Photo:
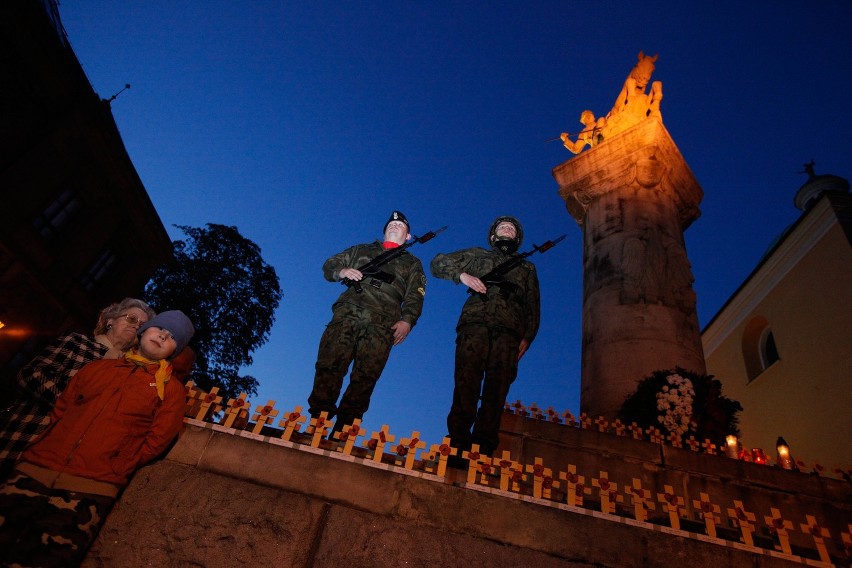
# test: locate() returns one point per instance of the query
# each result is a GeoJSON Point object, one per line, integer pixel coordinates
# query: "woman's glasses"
{"type": "Point", "coordinates": [132, 319]}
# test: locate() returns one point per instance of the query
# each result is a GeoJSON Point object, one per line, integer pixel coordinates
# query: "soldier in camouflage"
{"type": "Point", "coordinates": [497, 324]}
{"type": "Point", "coordinates": [366, 324]}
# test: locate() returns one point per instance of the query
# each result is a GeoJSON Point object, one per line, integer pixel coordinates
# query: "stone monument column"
{"type": "Point", "coordinates": [633, 196]}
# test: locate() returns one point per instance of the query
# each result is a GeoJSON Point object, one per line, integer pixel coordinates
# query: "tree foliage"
{"type": "Point", "coordinates": [714, 416]}
{"type": "Point", "coordinates": [219, 279]}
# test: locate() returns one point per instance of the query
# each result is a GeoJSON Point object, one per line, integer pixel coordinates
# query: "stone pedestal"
{"type": "Point", "coordinates": [633, 196]}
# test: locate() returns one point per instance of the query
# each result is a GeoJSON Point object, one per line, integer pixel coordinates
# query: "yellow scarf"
{"type": "Point", "coordinates": [163, 374]}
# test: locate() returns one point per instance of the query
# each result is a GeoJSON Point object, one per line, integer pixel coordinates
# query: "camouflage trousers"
{"type": "Point", "coordinates": [355, 337]}
{"type": "Point", "coordinates": [486, 365]}
{"type": "Point", "coordinates": [40, 526]}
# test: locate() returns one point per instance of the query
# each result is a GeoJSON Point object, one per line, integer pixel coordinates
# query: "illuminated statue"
{"type": "Point", "coordinates": [632, 106]}
{"type": "Point", "coordinates": [632, 99]}
{"type": "Point", "coordinates": [591, 134]}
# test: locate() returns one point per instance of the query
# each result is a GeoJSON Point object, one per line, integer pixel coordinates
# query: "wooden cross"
{"type": "Point", "coordinates": [236, 408]}
{"type": "Point", "coordinates": [537, 471]}
{"type": "Point", "coordinates": [745, 520]}
{"type": "Point", "coordinates": [641, 500]}
{"type": "Point", "coordinates": [779, 526]}
{"type": "Point", "coordinates": [585, 421]}
{"type": "Point", "coordinates": [846, 538]}
{"type": "Point", "coordinates": [602, 424]}
{"type": "Point", "coordinates": [377, 442]}
{"type": "Point", "coordinates": [264, 415]}
{"type": "Point", "coordinates": [710, 512]}
{"type": "Point", "coordinates": [673, 504]}
{"type": "Point", "coordinates": [485, 468]}
{"type": "Point", "coordinates": [607, 491]}
{"type": "Point", "coordinates": [517, 477]}
{"type": "Point", "coordinates": [618, 427]}
{"type": "Point", "coordinates": [519, 408]}
{"type": "Point", "coordinates": [542, 478]}
{"type": "Point", "coordinates": [349, 435]}
{"type": "Point", "coordinates": [692, 443]}
{"type": "Point", "coordinates": [819, 533]}
{"type": "Point", "coordinates": [506, 465]}
{"type": "Point", "coordinates": [675, 439]}
{"type": "Point", "coordinates": [339, 426]}
{"type": "Point", "coordinates": [193, 399]}
{"type": "Point", "coordinates": [569, 419]}
{"type": "Point", "coordinates": [210, 404]}
{"type": "Point", "coordinates": [318, 428]}
{"type": "Point", "coordinates": [654, 435]}
{"type": "Point", "coordinates": [292, 423]}
{"type": "Point", "coordinates": [407, 449]}
{"type": "Point", "coordinates": [442, 453]}
{"type": "Point", "coordinates": [636, 431]}
{"type": "Point", "coordinates": [535, 412]}
{"type": "Point", "coordinates": [472, 456]}
{"type": "Point", "coordinates": [709, 447]}
{"type": "Point", "coordinates": [575, 487]}
{"type": "Point", "coordinates": [548, 484]}
{"type": "Point", "coordinates": [553, 416]}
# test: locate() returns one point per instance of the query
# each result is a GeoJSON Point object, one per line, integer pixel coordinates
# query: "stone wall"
{"type": "Point", "coordinates": [223, 497]}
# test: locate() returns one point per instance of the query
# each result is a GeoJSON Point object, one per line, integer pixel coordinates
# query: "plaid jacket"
{"type": "Point", "coordinates": [40, 382]}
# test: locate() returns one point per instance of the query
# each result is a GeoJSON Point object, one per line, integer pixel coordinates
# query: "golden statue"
{"type": "Point", "coordinates": [632, 106]}
{"type": "Point", "coordinates": [591, 134]}
{"type": "Point", "coordinates": [632, 99]}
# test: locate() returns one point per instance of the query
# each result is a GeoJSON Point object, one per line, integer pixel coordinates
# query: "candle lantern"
{"type": "Point", "coordinates": [731, 447]}
{"type": "Point", "coordinates": [758, 456]}
{"type": "Point", "coordinates": [785, 460]}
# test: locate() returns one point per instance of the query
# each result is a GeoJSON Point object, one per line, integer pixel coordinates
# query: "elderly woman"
{"type": "Point", "coordinates": [42, 380]}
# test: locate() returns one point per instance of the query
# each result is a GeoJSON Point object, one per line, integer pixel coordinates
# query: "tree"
{"type": "Point", "coordinates": [219, 279]}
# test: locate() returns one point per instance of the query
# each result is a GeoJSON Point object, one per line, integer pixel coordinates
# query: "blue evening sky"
{"type": "Point", "coordinates": [304, 124]}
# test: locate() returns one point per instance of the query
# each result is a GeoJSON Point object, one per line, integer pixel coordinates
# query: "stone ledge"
{"type": "Point", "coordinates": [278, 503]}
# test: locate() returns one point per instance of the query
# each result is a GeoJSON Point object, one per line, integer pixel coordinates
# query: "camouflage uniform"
{"type": "Point", "coordinates": [360, 329]}
{"type": "Point", "coordinates": [489, 333]}
{"type": "Point", "coordinates": [33, 515]}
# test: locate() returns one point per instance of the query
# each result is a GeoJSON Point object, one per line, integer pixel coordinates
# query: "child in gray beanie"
{"type": "Point", "coordinates": [176, 323]}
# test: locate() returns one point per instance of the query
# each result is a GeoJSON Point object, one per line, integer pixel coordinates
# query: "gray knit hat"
{"type": "Point", "coordinates": [176, 323]}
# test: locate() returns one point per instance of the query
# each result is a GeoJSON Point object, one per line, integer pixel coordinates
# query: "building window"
{"type": "Point", "coordinates": [57, 213]}
{"type": "Point", "coordinates": [759, 348]}
{"type": "Point", "coordinates": [98, 270]}
{"type": "Point", "coordinates": [768, 349]}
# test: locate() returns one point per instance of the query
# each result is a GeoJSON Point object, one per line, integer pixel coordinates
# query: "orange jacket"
{"type": "Point", "coordinates": [109, 422]}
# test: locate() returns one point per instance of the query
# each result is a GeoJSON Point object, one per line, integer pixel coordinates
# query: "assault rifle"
{"type": "Point", "coordinates": [372, 268]}
{"type": "Point", "coordinates": [494, 277]}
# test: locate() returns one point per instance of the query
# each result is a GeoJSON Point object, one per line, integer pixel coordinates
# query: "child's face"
{"type": "Point", "coordinates": [157, 343]}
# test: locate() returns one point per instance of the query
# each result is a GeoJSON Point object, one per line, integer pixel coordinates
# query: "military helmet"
{"type": "Point", "coordinates": [507, 246]}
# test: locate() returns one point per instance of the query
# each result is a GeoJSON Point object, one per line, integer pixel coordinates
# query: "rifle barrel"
{"type": "Point", "coordinates": [430, 235]}
{"type": "Point", "coordinates": [550, 244]}
{"type": "Point", "coordinates": [379, 261]}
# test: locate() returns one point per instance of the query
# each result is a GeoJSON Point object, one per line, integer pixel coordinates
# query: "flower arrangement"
{"type": "Point", "coordinates": [684, 403]}
{"type": "Point", "coordinates": [674, 403]}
